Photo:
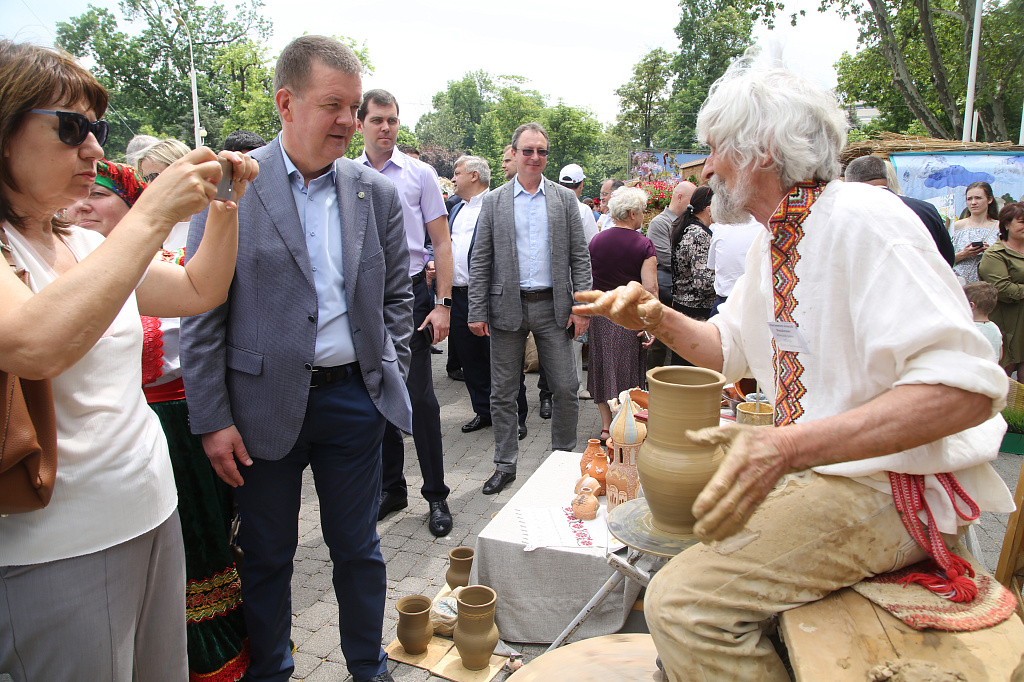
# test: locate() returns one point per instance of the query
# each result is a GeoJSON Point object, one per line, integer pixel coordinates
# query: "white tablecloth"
{"type": "Point", "coordinates": [540, 591]}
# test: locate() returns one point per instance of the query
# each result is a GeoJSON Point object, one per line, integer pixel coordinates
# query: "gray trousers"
{"type": "Point", "coordinates": [117, 615]}
{"type": "Point", "coordinates": [554, 348]}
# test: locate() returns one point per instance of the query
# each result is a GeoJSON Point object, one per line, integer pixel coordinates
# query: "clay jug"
{"type": "Point", "coordinates": [460, 561]}
{"type": "Point", "coordinates": [585, 505]}
{"type": "Point", "coordinates": [597, 468]}
{"type": "Point", "coordinates": [672, 469]}
{"type": "Point", "coordinates": [593, 448]}
{"type": "Point", "coordinates": [414, 627]}
{"type": "Point", "coordinates": [475, 632]}
{"type": "Point", "coordinates": [585, 482]}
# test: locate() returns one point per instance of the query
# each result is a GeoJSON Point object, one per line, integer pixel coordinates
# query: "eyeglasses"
{"type": "Point", "coordinates": [73, 128]}
{"type": "Point", "coordinates": [529, 152]}
{"type": "Point", "coordinates": [151, 177]}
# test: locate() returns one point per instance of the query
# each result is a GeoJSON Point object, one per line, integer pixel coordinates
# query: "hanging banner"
{"type": "Point", "coordinates": [941, 178]}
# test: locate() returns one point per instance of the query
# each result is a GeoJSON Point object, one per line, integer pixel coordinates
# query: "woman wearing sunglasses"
{"type": "Point", "coordinates": [92, 586]}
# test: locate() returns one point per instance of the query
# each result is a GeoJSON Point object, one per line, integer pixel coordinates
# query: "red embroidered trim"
{"type": "Point", "coordinates": [232, 671]}
{"type": "Point", "coordinates": [787, 231]}
{"type": "Point", "coordinates": [948, 575]}
{"type": "Point", "coordinates": [152, 350]}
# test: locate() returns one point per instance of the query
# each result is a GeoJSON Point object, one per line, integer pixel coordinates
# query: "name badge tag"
{"type": "Point", "coordinates": [788, 337]}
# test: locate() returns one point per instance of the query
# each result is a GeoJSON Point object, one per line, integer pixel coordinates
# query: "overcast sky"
{"type": "Point", "coordinates": [416, 47]}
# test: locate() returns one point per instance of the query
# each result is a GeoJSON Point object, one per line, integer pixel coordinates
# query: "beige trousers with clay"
{"type": "Point", "coordinates": [707, 608]}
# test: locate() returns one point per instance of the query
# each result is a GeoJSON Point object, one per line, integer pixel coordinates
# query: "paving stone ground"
{"type": "Point", "coordinates": [417, 561]}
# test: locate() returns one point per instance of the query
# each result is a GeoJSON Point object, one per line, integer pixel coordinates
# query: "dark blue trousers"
{"type": "Point", "coordinates": [475, 355]}
{"type": "Point", "coordinates": [340, 440]}
{"type": "Point", "coordinates": [426, 417]}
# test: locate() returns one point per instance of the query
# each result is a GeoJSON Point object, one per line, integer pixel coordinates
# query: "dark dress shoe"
{"type": "Point", "coordinates": [476, 423]}
{"type": "Point", "coordinates": [457, 374]}
{"type": "Point", "coordinates": [497, 482]}
{"type": "Point", "coordinates": [382, 677]}
{"type": "Point", "coordinates": [545, 408]}
{"type": "Point", "coordinates": [522, 431]}
{"type": "Point", "coordinates": [391, 502]}
{"type": "Point", "coordinates": [434, 350]}
{"type": "Point", "coordinates": [440, 519]}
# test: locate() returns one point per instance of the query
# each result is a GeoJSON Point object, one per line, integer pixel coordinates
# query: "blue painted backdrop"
{"type": "Point", "coordinates": [942, 178]}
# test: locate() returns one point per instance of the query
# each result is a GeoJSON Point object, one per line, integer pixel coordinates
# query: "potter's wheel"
{"type": "Point", "coordinates": [611, 658]}
{"type": "Point", "coordinates": [633, 524]}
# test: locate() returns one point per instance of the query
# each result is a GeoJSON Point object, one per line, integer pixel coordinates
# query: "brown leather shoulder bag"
{"type": "Point", "coordinates": [28, 435]}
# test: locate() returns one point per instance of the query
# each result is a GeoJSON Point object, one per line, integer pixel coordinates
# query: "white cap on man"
{"type": "Point", "coordinates": [572, 174]}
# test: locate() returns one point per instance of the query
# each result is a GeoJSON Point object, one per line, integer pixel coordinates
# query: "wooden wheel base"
{"type": "Point", "coordinates": [611, 658]}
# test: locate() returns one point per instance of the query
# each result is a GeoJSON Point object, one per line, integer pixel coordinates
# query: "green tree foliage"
{"type": "Point", "coordinates": [913, 65]}
{"type": "Point", "coordinates": [711, 34]}
{"type": "Point", "coordinates": [147, 71]}
{"type": "Point", "coordinates": [643, 100]}
{"type": "Point", "coordinates": [458, 112]}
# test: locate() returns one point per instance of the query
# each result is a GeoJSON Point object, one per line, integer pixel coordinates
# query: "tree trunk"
{"type": "Point", "coordinates": [901, 74]}
{"type": "Point", "coordinates": [946, 98]}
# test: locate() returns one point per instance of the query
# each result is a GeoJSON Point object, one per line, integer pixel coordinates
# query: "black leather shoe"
{"type": "Point", "coordinates": [545, 408]}
{"type": "Point", "coordinates": [382, 677]}
{"type": "Point", "coordinates": [440, 519]}
{"type": "Point", "coordinates": [497, 482]}
{"type": "Point", "coordinates": [457, 375]}
{"type": "Point", "coordinates": [522, 431]}
{"type": "Point", "coordinates": [476, 423]}
{"type": "Point", "coordinates": [434, 350]}
{"type": "Point", "coordinates": [391, 502]}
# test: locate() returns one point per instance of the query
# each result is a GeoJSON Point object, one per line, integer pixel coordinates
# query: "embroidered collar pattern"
{"type": "Point", "coordinates": [787, 232]}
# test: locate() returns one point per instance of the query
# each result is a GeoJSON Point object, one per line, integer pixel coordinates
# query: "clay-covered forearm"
{"type": "Point", "coordinates": [895, 421]}
{"type": "Point", "coordinates": [697, 341]}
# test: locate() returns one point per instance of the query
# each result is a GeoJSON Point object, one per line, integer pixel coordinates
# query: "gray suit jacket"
{"type": "Point", "coordinates": [244, 362]}
{"type": "Point", "coordinates": [494, 266]}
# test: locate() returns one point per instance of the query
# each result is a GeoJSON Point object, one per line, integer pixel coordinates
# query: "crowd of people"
{"type": "Point", "coordinates": [205, 351]}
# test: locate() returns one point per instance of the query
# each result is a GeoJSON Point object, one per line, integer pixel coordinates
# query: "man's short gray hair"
{"type": "Point", "coordinates": [865, 169]}
{"type": "Point", "coordinates": [773, 117]}
{"type": "Point", "coordinates": [535, 127]}
{"type": "Point", "coordinates": [625, 200]}
{"type": "Point", "coordinates": [475, 163]}
{"type": "Point", "coordinates": [296, 61]}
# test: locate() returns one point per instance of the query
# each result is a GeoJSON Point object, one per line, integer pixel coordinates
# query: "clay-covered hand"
{"type": "Point", "coordinates": [755, 459]}
{"type": "Point", "coordinates": [630, 306]}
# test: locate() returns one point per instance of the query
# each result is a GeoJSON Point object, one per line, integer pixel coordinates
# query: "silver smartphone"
{"type": "Point", "coordinates": [227, 170]}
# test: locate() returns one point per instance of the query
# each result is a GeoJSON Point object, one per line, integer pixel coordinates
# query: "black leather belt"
{"type": "Point", "coordinates": [465, 289]}
{"type": "Point", "coordinates": [536, 294]}
{"type": "Point", "coordinates": [419, 277]}
{"type": "Point", "coordinates": [327, 375]}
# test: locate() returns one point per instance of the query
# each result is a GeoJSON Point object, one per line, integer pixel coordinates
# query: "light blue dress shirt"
{"type": "Point", "coordinates": [533, 241]}
{"type": "Point", "coordinates": [320, 217]}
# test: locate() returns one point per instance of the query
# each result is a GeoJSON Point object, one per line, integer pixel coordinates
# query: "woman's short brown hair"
{"type": "Point", "coordinates": [1007, 215]}
{"type": "Point", "coordinates": [33, 77]}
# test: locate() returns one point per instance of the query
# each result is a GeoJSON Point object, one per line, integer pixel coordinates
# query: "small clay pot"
{"type": "Point", "coordinates": [594, 448]}
{"type": "Point", "coordinates": [585, 505]}
{"type": "Point", "coordinates": [460, 561]}
{"type": "Point", "coordinates": [475, 632]}
{"type": "Point", "coordinates": [586, 482]}
{"type": "Point", "coordinates": [414, 627]}
{"type": "Point", "coordinates": [755, 414]}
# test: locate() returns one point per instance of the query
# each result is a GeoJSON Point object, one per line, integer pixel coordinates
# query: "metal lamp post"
{"type": "Point", "coordinates": [195, 94]}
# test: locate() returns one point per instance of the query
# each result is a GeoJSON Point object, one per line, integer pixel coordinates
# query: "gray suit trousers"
{"type": "Point", "coordinates": [554, 347]}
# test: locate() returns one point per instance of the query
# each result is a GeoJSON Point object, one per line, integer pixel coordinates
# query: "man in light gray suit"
{"type": "Point", "coordinates": [306, 360]}
{"type": "Point", "coordinates": [529, 257]}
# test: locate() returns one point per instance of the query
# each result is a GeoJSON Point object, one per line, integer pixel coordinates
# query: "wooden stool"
{"type": "Point", "coordinates": [843, 636]}
{"type": "Point", "coordinates": [611, 658]}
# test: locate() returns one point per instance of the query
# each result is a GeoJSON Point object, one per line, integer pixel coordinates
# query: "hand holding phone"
{"type": "Point", "coordinates": [428, 333]}
{"type": "Point", "coordinates": [978, 245]}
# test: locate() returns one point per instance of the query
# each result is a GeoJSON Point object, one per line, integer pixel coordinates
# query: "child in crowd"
{"type": "Point", "coordinates": [983, 298]}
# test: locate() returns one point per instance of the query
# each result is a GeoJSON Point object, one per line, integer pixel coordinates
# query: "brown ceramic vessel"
{"type": "Point", "coordinates": [585, 505]}
{"type": "Point", "coordinates": [673, 470]}
{"type": "Point", "coordinates": [460, 561]}
{"type": "Point", "coordinates": [594, 447]}
{"type": "Point", "coordinates": [414, 627]}
{"type": "Point", "coordinates": [475, 632]}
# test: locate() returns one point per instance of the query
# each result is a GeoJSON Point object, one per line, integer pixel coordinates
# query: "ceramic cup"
{"type": "Point", "coordinates": [755, 414]}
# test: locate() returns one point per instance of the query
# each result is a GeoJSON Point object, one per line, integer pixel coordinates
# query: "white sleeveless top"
{"type": "Point", "coordinates": [114, 478]}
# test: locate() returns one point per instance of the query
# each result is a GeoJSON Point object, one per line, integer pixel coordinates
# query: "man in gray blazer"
{"type": "Point", "coordinates": [306, 361]}
{"type": "Point", "coordinates": [529, 257]}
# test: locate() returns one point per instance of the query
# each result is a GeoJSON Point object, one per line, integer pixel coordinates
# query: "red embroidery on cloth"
{"type": "Point", "coordinates": [787, 231]}
{"type": "Point", "coordinates": [948, 574]}
{"type": "Point", "coordinates": [152, 341]}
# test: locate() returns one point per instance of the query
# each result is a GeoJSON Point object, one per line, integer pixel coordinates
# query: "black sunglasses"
{"type": "Point", "coordinates": [73, 128]}
{"type": "Point", "coordinates": [529, 152]}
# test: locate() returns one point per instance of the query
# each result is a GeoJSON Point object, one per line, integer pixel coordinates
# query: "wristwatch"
{"type": "Point", "coordinates": [446, 302]}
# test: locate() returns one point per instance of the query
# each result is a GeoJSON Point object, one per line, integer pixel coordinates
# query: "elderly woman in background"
{"type": "Point", "coordinates": [618, 255]}
{"type": "Point", "coordinates": [975, 233]}
{"type": "Point", "coordinates": [1003, 266]}
{"type": "Point", "coordinates": [92, 585]}
{"type": "Point", "coordinates": [217, 644]}
{"type": "Point", "coordinates": [155, 158]}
